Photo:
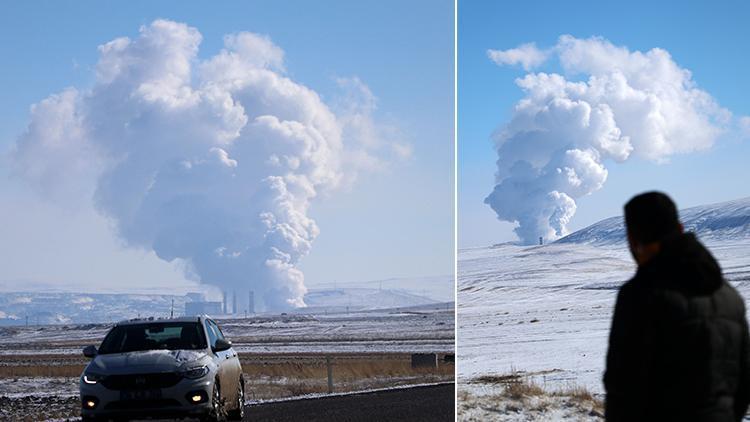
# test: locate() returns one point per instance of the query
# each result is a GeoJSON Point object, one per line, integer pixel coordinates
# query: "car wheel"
{"type": "Point", "coordinates": [218, 412]}
{"type": "Point", "coordinates": [239, 413]}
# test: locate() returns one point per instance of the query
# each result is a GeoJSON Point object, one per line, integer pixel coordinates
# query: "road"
{"type": "Point", "coordinates": [431, 403]}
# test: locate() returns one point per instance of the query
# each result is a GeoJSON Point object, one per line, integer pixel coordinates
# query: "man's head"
{"type": "Point", "coordinates": [649, 218]}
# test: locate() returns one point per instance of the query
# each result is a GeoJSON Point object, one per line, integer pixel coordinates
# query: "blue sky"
{"type": "Point", "coordinates": [397, 223]}
{"type": "Point", "coordinates": [709, 39]}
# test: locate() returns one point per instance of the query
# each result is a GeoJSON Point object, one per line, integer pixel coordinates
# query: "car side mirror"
{"type": "Point", "coordinates": [221, 345]}
{"type": "Point", "coordinates": [90, 351]}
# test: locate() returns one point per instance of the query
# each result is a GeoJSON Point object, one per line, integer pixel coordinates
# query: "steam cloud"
{"type": "Point", "coordinates": [554, 149]}
{"type": "Point", "coordinates": [213, 162]}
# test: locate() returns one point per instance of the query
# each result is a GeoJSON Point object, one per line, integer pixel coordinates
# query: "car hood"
{"type": "Point", "coordinates": [146, 361]}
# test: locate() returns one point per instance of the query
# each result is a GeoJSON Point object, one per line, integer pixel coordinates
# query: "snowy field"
{"type": "Point", "coordinates": [425, 328]}
{"type": "Point", "coordinates": [541, 310]}
{"type": "Point", "coordinates": [546, 310]}
{"type": "Point", "coordinates": [283, 355]}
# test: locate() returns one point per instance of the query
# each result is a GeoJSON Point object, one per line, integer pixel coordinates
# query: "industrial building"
{"type": "Point", "coordinates": [202, 307]}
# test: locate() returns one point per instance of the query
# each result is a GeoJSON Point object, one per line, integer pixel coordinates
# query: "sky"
{"type": "Point", "coordinates": [706, 39]}
{"type": "Point", "coordinates": [394, 221]}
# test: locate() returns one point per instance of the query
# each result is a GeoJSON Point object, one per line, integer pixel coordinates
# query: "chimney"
{"type": "Point", "coordinates": [234, 302]}
{"type": "Point", "coordinates": [250, 302]}
{"type": "Point", "coordinates": [224, 302]}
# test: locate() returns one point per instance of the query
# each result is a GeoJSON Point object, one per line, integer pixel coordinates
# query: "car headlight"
{"type": "Point", "coordinates": [92, 378]}
{"type": "Point", "coordinates": [195, 372]}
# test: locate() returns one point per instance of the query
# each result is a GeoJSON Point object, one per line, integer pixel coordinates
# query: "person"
{"type": "Point", "coordinates": [678, 345]}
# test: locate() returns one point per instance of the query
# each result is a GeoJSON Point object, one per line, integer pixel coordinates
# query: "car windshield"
{"type": "Point", "coordinates": [154, 336]}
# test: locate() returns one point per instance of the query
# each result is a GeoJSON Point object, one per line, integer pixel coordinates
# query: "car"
{"type": "Point", "coordinates": [163, 368]}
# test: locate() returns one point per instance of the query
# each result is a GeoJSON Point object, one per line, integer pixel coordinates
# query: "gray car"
{"type": "Point", "coordinates": [163, 368]}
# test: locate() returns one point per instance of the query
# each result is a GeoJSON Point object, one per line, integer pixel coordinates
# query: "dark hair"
{"type": "Point", "coordinates": [651, 216]}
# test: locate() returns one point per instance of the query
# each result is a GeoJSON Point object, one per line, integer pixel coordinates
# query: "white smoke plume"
{"type": "Point", "coordinates": [214, 162]}
{"type": "Point", "coordinates": [624, 104]}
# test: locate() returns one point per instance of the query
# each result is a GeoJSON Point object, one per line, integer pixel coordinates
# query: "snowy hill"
{"type": "Point", "coordinates": [722, 221]}
{"type": "Point", "coordinates": [363, 299]}
{"type": "Point", "coordinates": [437, 288]}
{"type": "Point", "coordinates": [71, 307]}
{"type": "Point", "coordinates": [35, 308]}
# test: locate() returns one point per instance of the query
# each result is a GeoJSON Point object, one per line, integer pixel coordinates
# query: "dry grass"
{"type": "Point", "coordinates": [582, 398]}
{"type": "Point", "coordinates": [515, 385]}
{"type": "Point", "coordinates": [520, 393]}
{"type": "Point", "coordinates": [345, 367]}
{"type": "Point", "coordinates": [498, 379]}
{"type": "Point", "coordinates": [273, 375]}
{"type": "Point", "coordinates": [41, 371]}
{"type": "Point", "coordinates": [580, 394]}
{"type": "Point", "coordinates": [523, 389]}
{"type": "Point", "coordinates": [521, 399]}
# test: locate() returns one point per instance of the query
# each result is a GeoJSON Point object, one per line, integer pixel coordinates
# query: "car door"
{"type": "Point", "coordinates": [227, 375]}
{"type": "Point", "coordinates": [233, 363]}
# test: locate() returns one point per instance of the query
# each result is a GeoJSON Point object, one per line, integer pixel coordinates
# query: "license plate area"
{"type": "Point", "coordinates": [136, 395]}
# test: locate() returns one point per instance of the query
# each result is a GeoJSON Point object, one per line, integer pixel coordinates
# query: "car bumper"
{"type": "Point", "coordinates": [173, 402]}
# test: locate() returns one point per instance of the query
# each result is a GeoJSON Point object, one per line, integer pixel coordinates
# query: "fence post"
{"type": "Point", "coordinates": [330, 374]}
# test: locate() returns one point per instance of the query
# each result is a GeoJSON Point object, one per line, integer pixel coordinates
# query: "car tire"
{"type": "Point", "coordinates": [218, 412]}
{"type": "Point", "coordinates": [239, 413]}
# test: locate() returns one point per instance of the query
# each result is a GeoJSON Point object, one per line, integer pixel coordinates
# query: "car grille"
{"type": "Point", "coordinates": [141, 381]}
{"type": "Point", "coordinates": [142, 404]}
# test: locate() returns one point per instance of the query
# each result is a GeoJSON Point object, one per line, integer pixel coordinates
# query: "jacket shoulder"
{"type": "Point", "coordinates": [723, 303]}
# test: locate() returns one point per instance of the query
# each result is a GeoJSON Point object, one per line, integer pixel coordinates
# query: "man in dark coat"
{"type": "Point", "coordinates": [679, 346]}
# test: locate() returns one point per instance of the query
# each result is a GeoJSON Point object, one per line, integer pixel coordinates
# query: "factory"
{"type": "Point", "coordinates": [202, 307]}
{"type": "Point", "coordinates": [238, 306]}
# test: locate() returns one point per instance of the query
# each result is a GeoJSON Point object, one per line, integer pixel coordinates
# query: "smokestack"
{"type": "Point", "coordinates": [224, 302]}
{"type": "Point", "coordinates": [250, 302]}
{"type": "Point", "coordinates": [234, 302]}
{"type": "Point", "coordinates": [541, 240]}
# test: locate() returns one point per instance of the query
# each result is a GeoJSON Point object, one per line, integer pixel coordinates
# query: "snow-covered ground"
{"type": "Point", "coordinates": [424, 328]}
{"type": "Point", "coordinates": [39, 386]}
{"type": "Point", "coordinates": [537, 309]}
{"type": "Point", "coordinates": [361, 340]}
{"type": "Point", "coordinates": [500, 405]}
{"type": "Point", "coordinates": [546, 310]}
{"type": "Point", "coordinates": [428, 328]}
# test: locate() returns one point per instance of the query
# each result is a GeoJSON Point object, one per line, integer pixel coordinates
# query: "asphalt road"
{"type": "Point", "coordinates": [433, 403]}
